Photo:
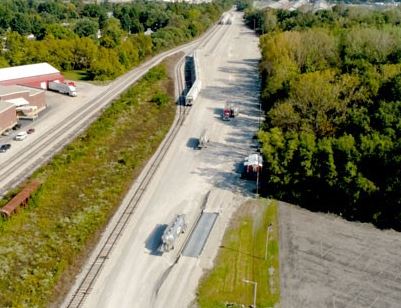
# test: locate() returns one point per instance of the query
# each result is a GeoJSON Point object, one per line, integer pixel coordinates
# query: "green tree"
{"type": "Point", "coordinates": [86, 28]}
{"type": "Point", "coordinates": [21, 23]}
{"type": "Point", "coordinates": [111, 34]}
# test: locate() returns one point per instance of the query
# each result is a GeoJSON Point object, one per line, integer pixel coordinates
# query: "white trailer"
{"type": "Point", "coordinates": [193, 93]}
{"type": "Point", "coordinates": [63, 87]}
{"type": "Point", "coordinates": [197, 85]}
{"type": "Point", "coordinates": [172, 232]}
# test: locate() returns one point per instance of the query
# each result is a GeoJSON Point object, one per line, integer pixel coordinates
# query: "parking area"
{"type": "Point", "coordinates": [59, 106]}
{"type": "Point", "coordinates": [326, 261]}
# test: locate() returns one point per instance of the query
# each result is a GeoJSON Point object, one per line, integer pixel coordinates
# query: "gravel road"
{"type": "Point", "coordinates": [135, 274]}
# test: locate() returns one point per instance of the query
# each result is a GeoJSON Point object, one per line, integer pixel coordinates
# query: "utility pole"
{"type": "Point", "coordinates": [267, 239]}
{"type": "Point", "coordinates": [257, 179]}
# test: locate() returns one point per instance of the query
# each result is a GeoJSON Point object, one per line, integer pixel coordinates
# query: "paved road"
{"type": "Point", "coordinates": [135, 275]}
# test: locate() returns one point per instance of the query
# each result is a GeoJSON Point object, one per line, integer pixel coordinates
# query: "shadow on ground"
{"type": "Point", "coordinates": [153, 241]}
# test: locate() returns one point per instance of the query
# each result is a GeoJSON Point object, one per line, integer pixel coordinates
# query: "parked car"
{"type": "Point", "coordinates": [4, 147]}
{"type": "Point", "coordinates": [16, 126]}
{"type": "Point", "coordinates": [30, 131]}
{"type": "Point", "coordinates": [21, 136]}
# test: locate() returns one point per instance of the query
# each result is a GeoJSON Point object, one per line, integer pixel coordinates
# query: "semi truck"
{"type": "Point", "coordinates": [68, 88]}
{"type": "Point", "coordinates": [172, 232]}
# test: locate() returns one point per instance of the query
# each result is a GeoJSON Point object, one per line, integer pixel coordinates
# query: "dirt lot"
{"type": "Point", "coordinates": [329, 262]}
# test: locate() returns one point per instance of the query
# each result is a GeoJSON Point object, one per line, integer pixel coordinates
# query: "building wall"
{"type": "Point", "coordinates": [39, 82]}
{"type": "Point", "coordinates": [23, 94]}
{"type": "Point", "coordinates": [36, 99]}
{"type": "Point", "coordinates": [8, 118]}
{"type": "Point", "coordinates": [39, 100]}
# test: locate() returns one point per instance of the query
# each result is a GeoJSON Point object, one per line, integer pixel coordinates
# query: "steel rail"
{"type": "Point", "coordinates": [76, 122]}
{"type": "Point", "coordinates": [86, 284]}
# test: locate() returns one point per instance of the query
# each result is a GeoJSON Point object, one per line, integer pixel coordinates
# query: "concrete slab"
{"type": "Point", "coordinates": [200, 235]}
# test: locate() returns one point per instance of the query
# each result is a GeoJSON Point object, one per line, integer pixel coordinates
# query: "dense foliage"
{"type": "Point", "coordinates": [339, 17]}
{"type": "Point", "coordinates": [243, 4]}
{"type": "Point", "coordinates": [331, 91]}
{"type": "Point", "coordinates": [103, 40]}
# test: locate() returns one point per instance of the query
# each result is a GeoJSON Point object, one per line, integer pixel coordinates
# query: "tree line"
{"type": "Point", "coordinates": [332, 96]}
{"type": "Point", "coordinates": [103, 40]}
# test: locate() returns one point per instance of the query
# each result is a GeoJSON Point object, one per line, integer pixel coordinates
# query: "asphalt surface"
{"type": "Point", "coordinates": [326, 261]}
{"type": "Point", "coordinates": [135, 275]}
{"type": "Point", "coordinates": [200, 235]}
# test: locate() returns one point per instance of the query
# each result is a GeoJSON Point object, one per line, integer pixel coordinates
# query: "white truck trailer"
{"type": "Point", "coordinates": [172, 232]}
{"type": "Point", "coordinates": [63, 87]}
{"type": "Point", "coordinates": [197, 85]}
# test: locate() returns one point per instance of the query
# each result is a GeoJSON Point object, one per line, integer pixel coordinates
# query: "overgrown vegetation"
{"type": "Point", "coordinates": [331, 91]}
{"type": "Point", "coordinates": [102, 40]}
{"type": "Point", "coordinates": [242, 256]}
{"type": "Point", "coordinates": [82, 186]}
{"type": "Point", "coordinates": [339, 17]}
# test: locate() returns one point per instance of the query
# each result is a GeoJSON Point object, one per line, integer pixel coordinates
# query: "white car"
{"type": "Point", "coordinates": [21, 136]}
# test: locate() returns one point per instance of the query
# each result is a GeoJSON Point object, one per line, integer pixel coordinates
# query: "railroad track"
{"type": "Point", "coordinates": [86, 284]}
{"type": "Point", "coordinates": [19, 167]}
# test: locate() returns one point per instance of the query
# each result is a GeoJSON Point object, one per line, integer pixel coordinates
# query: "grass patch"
{"type": "Point", "coordinates": [76, 75]}
{"type": "Point", "coordinates": [43, 247]}
{"type": "Point", "coordinates": [242, 256]}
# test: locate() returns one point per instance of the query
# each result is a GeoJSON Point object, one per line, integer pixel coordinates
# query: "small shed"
{"type": "Point", "coordinates": [20, 200]}
{"type": "Point", "coordinates": [253, 164]}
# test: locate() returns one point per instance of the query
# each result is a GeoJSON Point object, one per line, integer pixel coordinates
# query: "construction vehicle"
{"type": "Point", "coordinates": [253, 165]}
{"type": "Point", "coordinates": [230, 111]}
{"type": "Point", "coordinates": [172, 232]}
{"type": "Point", "coordinates": [203, 140]}
{"type": "Point", "coordinates": [63, 87]}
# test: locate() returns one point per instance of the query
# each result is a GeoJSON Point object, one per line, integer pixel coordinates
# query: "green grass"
{"type": "Point", "coordinates": [42, 247]}
{"type": "Point", "coordinates": [242, 256]}
{"type": "Point", "coordinates": [76, 75]}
